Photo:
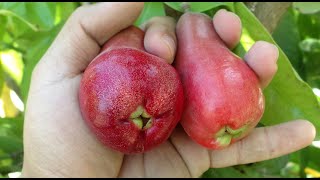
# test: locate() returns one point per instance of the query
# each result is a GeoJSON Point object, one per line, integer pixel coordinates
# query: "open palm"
{"type": "Point", "coordinates": [57, 142]}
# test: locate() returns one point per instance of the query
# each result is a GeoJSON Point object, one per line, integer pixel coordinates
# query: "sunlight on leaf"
{"type": "Point", "coordinates": [312, 173]}
{"type": "Point", "coordinates": [63, 11]}
{"type": "Point", "coordinates": [316, 91]}
{"type": "Point", "coordinates": [310, 45]}
{"type": "Point", "coordinates": [2, 113]}
{"type": "Point", "coordinates": [16, 100]}
{"type": "Point", "coordinates": [246, 40]}
{"type": "Point", "coordinates": [9, 108]}
{"type": "Point", "coordinates": [14, 174]}
{"type": "Point", "coordinates": [1, 77]}
{"type": "Point", "coordinates": [12, 63]}
{"type": "Point", "coordinates": [316, 144]}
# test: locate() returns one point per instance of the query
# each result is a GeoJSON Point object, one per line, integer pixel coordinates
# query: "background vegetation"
{"type": "Point", "coordinates": [28, 28]}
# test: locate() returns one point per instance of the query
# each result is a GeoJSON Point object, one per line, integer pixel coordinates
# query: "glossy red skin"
{"type": "Point", "coordinates": [119, 80]}
{"type": "Point", "coordinates": [220, 88]}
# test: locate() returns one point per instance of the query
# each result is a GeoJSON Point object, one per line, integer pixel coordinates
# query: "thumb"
{"type": "Point", "coordinates": [80, 39]}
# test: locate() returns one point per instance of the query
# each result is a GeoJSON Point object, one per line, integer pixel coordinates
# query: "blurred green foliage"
{"type": "Point", "coordinates": [28, 28]}
{"type": "Point", "coordinates": [26, 31]}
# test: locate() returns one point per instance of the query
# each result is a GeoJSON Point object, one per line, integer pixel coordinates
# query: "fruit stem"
{"type": "Point", "coordinates": [225, 134]}
{"type": "Point", "coordinates": [236, 131]}
{"type": "Point", "coordinates": [185, 6]}
{"type": "Point", "coordinates": [224, 140]}
{"type": "Point", "coordinates": [137, 112]}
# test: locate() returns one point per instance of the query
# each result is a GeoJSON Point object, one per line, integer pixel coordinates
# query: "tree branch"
{"type": "Point", "coordinates": [269, 13]}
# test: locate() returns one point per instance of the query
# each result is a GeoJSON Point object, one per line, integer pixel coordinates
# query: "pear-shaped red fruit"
{"type": "Point", "coordinates": [223, 99]}
{"type": "Point", "coordinates": [131, 100]}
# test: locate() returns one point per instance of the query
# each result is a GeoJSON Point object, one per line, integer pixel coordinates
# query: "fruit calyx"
{"type": "Point", "coordinates": [141, 118]}
{"type": "Point", "coordinates": [225, 134]}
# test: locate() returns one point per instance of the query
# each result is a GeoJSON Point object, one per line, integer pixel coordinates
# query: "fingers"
{"type": "Point", "coordinates": [266, 143]}
{"type": "Point", "coordinates": [228, 26]}
{"type": "Point", "coordinates": [85, 31]}
{"type": "Point", "coordinates": [196, 157]}
{"type": "Point", "coordinates": [163, 162]}
{"type": "Point", "coordinates": [262, 58]}
{"type": "Point", "coordinates": [132, 166]}
{"type": "Point", "coordinates": [160, 38]}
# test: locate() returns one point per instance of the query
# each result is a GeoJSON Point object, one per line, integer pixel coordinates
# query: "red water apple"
{"type": "Point", "coordinates": [131, 99]}
{"type": "Point", "coordinates": [223, 98]}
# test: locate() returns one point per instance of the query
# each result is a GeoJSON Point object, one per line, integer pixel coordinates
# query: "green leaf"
{"type": "Point", "coordinates": [3, 21]}
{"type": "Point", "coordinates": [1, 78]}
{"type": "Point", "coordinates": [307, 7]}
{"type": "Point", "coordinates": [311, 51]}
{"type": "Point", "coordinates": [239, 49]}
{"type": "Point", "coordinates": [150, 10]}
{"type": "Point", "coordinates": [38, 15]}
{"type": "Point", "coordinates": [309, 25]}
{"type": "Point", "coordinates": [229, 172]}
{"type": "Point", "coordinates": [12, 127]}
{"type": "Point", "coordinates": [287, 36]}
{"type": "Point", "coordinates": [291, 170]}
{"type": "Point", "coordinates": [204, 6]}
{"type": "Point", "coordinates": [10, 13]}
{"type": "Point", "coordinates": [35, 43]}
{"type": "Point", "coordinates": [199, 6]}
{"type": "Point", "coordinates": [265, 169]}
{"type": "Point", "coordinates": [287, 96]}
{"type": "Point", "coordinates": [310, 45]}
{"type": "Point", "coordinates": [64, 10]}
{"type": "Point", "coordinates": [42, 14]}
{"type": "Point", "coordinates": [313, 154]}
{"type": "Point", "coordinates": [10, 144]}
{"type": "Point", "coordinates": [304, 158]}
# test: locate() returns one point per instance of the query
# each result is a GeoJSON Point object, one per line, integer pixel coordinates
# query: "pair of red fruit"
{"type": "Point", "coordinates": [133, 100]}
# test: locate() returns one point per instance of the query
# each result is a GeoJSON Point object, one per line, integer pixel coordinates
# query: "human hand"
{"type": "Point", "coordinates": [57, 142]}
